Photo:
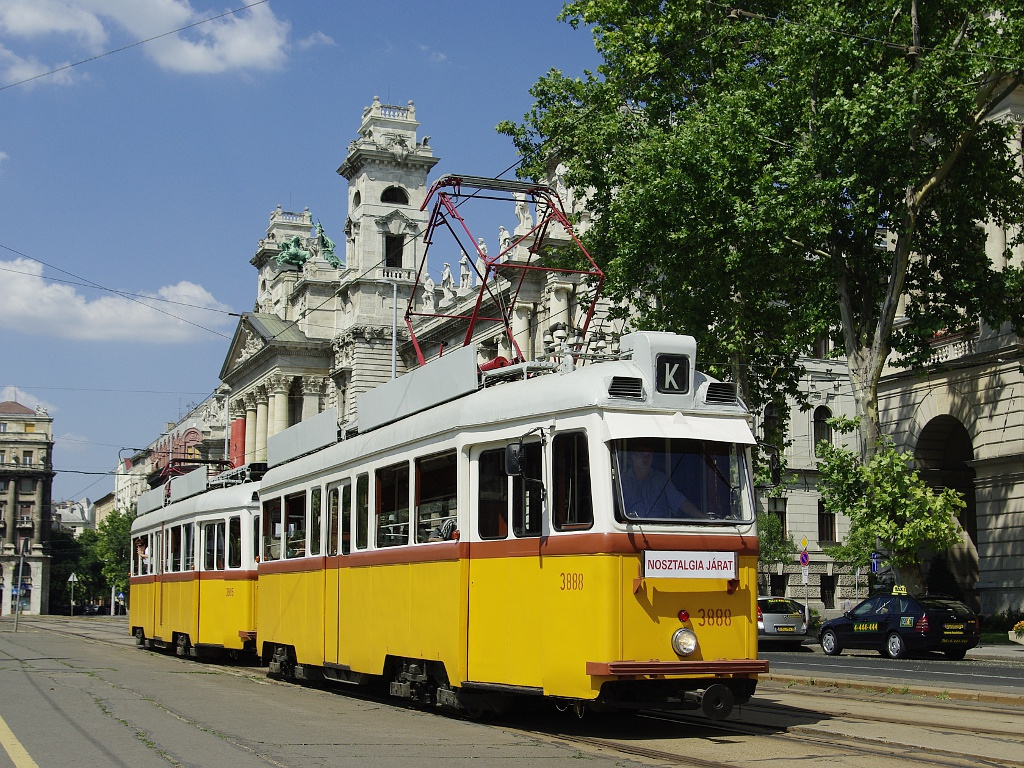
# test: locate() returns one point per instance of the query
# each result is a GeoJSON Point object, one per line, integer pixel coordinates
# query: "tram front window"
{"type": "Point", "coordinates": [680, 480]}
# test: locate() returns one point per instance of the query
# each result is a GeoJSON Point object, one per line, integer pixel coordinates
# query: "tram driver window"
{"type": "Point", "coordinates": [393, 505]}
{"type": "Point", "coordinates": [572, 506]}
{"type": "Point", "coordinates": [436, 497]}
{"type": "Point", "coordinates": [272, 529]}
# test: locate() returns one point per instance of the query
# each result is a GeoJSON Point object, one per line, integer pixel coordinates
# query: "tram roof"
{"type": "Point", "coordinates": [507, 408]}
{"type": "Point", "coordinates": [212, 501]}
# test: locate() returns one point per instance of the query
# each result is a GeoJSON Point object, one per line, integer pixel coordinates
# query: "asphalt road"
{"type": "Point", "coordinates": [997, 670]}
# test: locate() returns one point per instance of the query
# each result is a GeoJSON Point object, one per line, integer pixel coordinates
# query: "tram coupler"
{"type": "Point", "coordinates": [716, 701]}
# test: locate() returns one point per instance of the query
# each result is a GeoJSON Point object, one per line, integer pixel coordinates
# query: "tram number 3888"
{"type": "Point", "coordinates": [572, 581]}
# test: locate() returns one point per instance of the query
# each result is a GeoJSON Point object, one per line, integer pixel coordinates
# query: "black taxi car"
{"type": "Point", "coordinates": [898, 624]}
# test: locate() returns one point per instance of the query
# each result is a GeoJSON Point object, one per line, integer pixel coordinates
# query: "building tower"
{"type": "Point", "coordinates": [386, 168]}
{"type": "Point", "coordinates": [26, 482]}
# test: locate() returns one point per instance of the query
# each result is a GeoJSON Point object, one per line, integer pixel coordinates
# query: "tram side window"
{"type": "Point", "coordinates": [315, 522]}
{"type": "Point", "coordinates": [492, 500]}
{"type": "Point", "coordinates": [213, 544]}
{"type": "Point", "coordinates": [346, 518]}
{"type": "Point", "coordinates": [333, 508]}
{"type": "Point", "coordinates": [234, 542]}
{"type": "Point", "coordinates": [188, 545]}
{"type": "Point", "coordinates": [140, 560]}
{"type": "Point", "coordinates": [528, 494]}
{"type": "Point", "coordinates": [174, 550]}
{"type": "Point", "coordinates": [295, 524]}
{"type": "Point", "coordinates": [362, 510]}
{"type": "Point", "coordinates": [393, 505]}
{"type": "Point", "coordinates": [255, 538]}
{"type": "Point", "coordinates": [272, 529]}
{"type": "Point", "coordinates": [436, 497]}
{"type": "Point", "coordinates": [573, 505]}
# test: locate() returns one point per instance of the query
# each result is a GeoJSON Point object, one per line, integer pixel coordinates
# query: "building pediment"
{"type": "Point", "coordinates": [260, 338]}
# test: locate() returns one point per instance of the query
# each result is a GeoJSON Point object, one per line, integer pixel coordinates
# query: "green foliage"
{"type": "Point", "coordinates": [773, 546]}
{"type": "Point", "coordinates": [888, 504]}
{"type": "Point", "coordinates": [1000, 622]}
{"type": "Point", "coordinates": [77, 555]}
{"type": "Point", "coordinates": [114, 548]}
{"type": "Point", "coordinates": [742, 165]}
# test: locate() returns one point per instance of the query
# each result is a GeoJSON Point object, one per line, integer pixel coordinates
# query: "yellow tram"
{"type": "Point", "coordinates": [193, 578]}
{"type": "Point", "coordinates": [583, 534]}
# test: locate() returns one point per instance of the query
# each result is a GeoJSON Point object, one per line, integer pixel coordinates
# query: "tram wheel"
{"type": "Point", "coordinates": [183, 645]}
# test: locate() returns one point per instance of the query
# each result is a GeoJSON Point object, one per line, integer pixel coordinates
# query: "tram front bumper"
{"type": "Point", "coordinates": [633, 669]}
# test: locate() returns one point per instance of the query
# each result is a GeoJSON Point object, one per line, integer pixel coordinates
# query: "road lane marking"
{"type": "Point", "coordinates": [18, 754]}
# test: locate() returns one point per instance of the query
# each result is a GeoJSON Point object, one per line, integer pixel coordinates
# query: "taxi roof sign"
{"type": "Point", "coordinates": [899, 589]}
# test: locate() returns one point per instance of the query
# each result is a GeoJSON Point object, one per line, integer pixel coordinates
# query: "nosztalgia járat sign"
{"type": "Point", "coordinates": [690, 565]}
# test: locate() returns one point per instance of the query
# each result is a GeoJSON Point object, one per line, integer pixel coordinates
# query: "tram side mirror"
{"type": "Point", "coordinates": [514, 459]}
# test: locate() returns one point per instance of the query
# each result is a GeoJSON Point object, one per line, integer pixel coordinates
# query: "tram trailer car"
{"type": "Point", "coordinates": [193, 579]}
{"type": "Point", "coordinates": [587, 535]}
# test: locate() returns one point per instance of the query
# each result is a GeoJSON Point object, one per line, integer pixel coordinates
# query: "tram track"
{"type": "Point", "coordinates": [670, 738]}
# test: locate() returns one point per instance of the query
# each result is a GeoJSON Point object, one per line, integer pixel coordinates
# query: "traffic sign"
{"type": "Point", "coordinates": [874, 562]}
{"type": "Point", "coordinates": [805, 559]}
{"type": "Point", "coordinates": [804, 571]}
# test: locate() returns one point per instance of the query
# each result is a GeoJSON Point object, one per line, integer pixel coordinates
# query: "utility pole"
{"type": "Point", "coordinates": [21, 574]}
{"type": "Point", "coordinates": [72, 579]}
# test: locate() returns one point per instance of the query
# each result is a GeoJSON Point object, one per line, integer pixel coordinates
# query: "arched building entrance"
{"type": "Point", "coordinates": [944, 454]}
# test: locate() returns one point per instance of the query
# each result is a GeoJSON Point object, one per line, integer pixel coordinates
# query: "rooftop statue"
{"type": "Point", "coordinates": [292, 253]}
{"type": "Point", "coordinates": [327, 247]}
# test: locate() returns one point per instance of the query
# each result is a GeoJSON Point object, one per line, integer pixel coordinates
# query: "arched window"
{"type": "Point", "coordinates": [394, 195]}
{"type": "Point", "coordinates": [822, 429]}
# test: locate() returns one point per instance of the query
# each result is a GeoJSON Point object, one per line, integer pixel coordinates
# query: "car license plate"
{"type": "Point", "coordinates": [783, 628]}
{"type": "Point", "coordinates": [953, 627]}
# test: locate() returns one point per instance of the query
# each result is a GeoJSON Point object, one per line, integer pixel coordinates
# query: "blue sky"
{"type": "Point", "coordinates": [152, 171]}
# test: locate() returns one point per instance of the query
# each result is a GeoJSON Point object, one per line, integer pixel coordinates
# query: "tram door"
{"type": "Point", "coordinates": [505, 621]}
{"type": "Point", "coordinates": [339, 516]}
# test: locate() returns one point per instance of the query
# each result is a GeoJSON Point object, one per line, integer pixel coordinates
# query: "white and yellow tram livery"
{"type": "Point", "coordinates": [193, 579]}
{"type": "Point", "coordinates": [584, 534]}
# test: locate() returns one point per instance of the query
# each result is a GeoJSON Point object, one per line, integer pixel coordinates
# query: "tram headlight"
{"type": "Point", "coordinates": [684, 641]}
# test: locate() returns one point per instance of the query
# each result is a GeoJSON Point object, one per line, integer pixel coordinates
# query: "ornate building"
{"type": "Point", "coordinates": [26, 479]}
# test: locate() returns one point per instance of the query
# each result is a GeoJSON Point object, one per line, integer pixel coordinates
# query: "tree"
{"type": "Point", "coordinates": [888, 505]}
{"type": "Point", "coordinates": [773, 545]}
{"type": "Point", "coordinates": [745, 161]}
{"type": "Point", "coordinates": [115, 548]}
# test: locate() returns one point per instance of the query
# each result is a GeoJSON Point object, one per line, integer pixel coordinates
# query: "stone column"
{"type": "Point", "coordinates": [37, 516]}
{"type": "Point", "coordinates": [250, 427]}
{"type": "Point", "coordinates": [279, 388]}
{"type": "Point", "coordinates": [262, 411]}
{"type": "Point", "coordinates": [521, 328]}
{"type": "Point", "coordinates": [311, 386]}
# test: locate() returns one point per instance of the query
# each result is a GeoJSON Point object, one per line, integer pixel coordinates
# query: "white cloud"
{"type": "Point", "coordinates": [33, 19]}
{"type": "Point", "coordinates": [16, 69]}
{"type": "Point", "coordinates": [31, 305]}
{"type": "Point", "coordinates": [317, 38]}
{"type": "Point", "coordinates": [9, 394]}
{"type": "Point", "coordinates": [251, 39]}
{"type": "Point", "coordinates": [3, 156]}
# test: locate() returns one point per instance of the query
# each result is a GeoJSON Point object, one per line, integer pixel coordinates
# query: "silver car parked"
{"type": "Point", "coordinates": [780, 619]}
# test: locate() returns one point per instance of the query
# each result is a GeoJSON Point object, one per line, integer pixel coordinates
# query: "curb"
{"type": "Point", "coordinates": [986, 697]}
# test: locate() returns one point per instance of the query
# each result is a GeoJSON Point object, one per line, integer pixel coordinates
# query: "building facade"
{"type": "Point", "coordinates": [26, 481]}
